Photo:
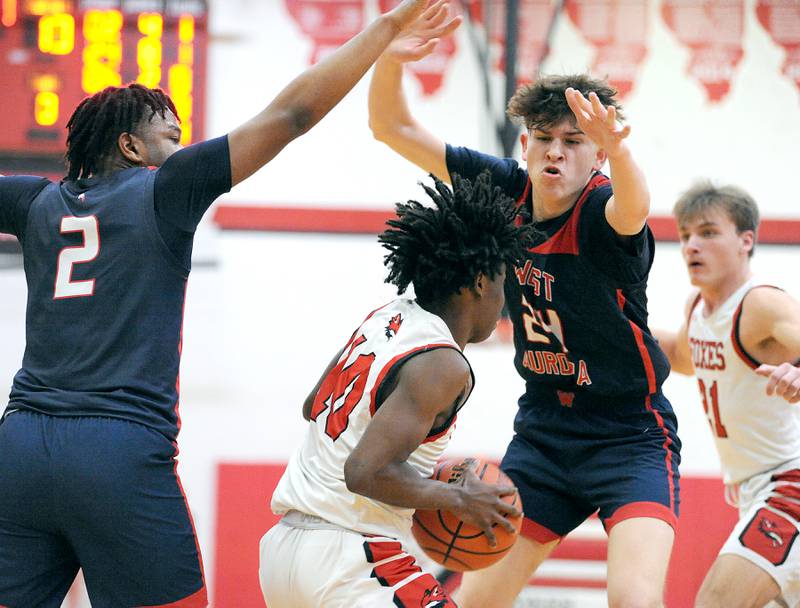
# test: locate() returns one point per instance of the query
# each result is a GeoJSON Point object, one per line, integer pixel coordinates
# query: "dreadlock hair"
{"type": "Point", "coordinates": [543, 104]}
{"type": "Point", "coordinates": [442, 249]}
{"type": "Point", "coordinates": [99, 120]}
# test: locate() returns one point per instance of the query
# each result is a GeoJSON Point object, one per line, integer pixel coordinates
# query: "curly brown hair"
{"type": "Point", "coordinates": [544, 104]}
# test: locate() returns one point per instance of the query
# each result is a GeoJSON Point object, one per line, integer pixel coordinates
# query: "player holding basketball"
{"type": "Point", "coordinates": [741, 338]}
{"type": "Point", "coordinates": [87, 442]}
{"type": "Point", "coordinates": [384, 409]}
{"type": "Point", "coordinates": [593, 432]}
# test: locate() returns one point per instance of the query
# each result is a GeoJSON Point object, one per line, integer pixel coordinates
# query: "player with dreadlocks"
{"type": "Point", "coordinates": [383, 411]}
{"type": "Point", "coordinates": [88, 440]}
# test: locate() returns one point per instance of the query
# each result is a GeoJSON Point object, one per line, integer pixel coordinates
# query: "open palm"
{"type": "Point", "coordinates": [420, 37]}
{"type": "Point", "coordinates": [599, 122]}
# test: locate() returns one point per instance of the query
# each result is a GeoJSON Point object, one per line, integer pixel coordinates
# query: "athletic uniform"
{"type": "Point", "coordinates": [88, 440]}
{"type": "Point", "coordinates": [333, 547]}
{"type": "Point", "coordinates": [758, 440]}
{"type": "Point", "coordinates": [593, 431]}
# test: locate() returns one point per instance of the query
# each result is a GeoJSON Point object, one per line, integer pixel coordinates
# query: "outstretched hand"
{"type": "Point", "coordinates": [421, 30]}
{"type": "Point", "coordinates": [599, 122]}
{"type": "Point", "coordinates": [784, 380]}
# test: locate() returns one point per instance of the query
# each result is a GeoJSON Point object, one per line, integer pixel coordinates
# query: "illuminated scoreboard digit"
{"type": "Point", "coordinates": [53, 53]}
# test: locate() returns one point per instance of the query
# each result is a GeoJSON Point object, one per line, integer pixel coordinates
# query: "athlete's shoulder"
{"type": "Point", "coordinates": [763, 301]}
{"type": "Point", "coordinates": [505, 172]}
{"type": "Point", "coordinates": [20, 187]}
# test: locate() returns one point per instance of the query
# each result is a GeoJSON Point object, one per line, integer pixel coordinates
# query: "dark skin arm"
{"type": "Point", "coordinates": [310, 96]}
{"type": "Point", "coordinates": [427, 387]}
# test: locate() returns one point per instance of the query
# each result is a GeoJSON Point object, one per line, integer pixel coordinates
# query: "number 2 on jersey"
{"type": "Point", "coordinates": [713, 416]}
{"type": "Point", "coordinates": [343, 385]}
{"type": "Point", "coordinates": [65, 287]}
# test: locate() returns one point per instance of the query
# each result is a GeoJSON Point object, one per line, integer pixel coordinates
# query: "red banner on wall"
{"type": "Point", "coordinates": [713, 32]}
{"type": "Point", "coordinates": [535, 19]}
{"type": "Point", "coordinates": [429, 71]}
{"type": "Point", "coordinates": [618, 29]}
{"type": "Point", "coordinates": [781, 18]}
{"type": "Point", "coordinates": [329, 23]}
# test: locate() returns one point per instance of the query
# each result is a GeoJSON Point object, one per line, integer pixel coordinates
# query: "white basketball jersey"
{"type": "Point", "coordinates": [753, 432]}
{"type": "Point", "coordinates": [313, 482]}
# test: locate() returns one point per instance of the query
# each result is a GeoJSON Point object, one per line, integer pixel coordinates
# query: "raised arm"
{"type": "Point", "coordinates": [389, 116]}
{"type": "Point", "coordinates": [428, 385]}
{"type": "Point", "coordinates": [627, 210]}
{"type": "Point", "coordinates": [676, 344]}
{"type": "Point", "coordinates": [310, 96]}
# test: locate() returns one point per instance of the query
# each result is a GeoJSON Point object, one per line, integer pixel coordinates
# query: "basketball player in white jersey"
{"type": "Point", "coordinates": [741, 339]}
{"type": "Point", "coordinates": [383, 412]}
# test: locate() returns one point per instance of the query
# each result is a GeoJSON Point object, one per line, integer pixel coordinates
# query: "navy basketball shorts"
{"type": "Point", "coordinates": [100, 494]}
{"type": "Point", "coordinates": [569, 461]}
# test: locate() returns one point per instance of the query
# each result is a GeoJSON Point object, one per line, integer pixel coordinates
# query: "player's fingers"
{"type": "Point", "coordinates": [791, 387]}
{"type": "Point", "coordinates": [597, 108]}
{"type": "Point", "coordinates": [575, 105]}
{"type": "Point", "coordinates": [765, 370]}
{"type": "Point", "coordinates": [508, 509]}
{"type": "Point", "coordinates": [506, 525]}
{"type": "Point", "coordinates": [450, 27]}
{"type": "Point", "coordinates": [432, 9]}
{"type": "Point", "coordinates": [487, 530]}
{"type": "Point", "coordinates": [423, 50]}
{"type": "Point", "coordinates": [626, 130]}
{"type": "Point", "coordinates": [506, 490]}
{"type": "Point", "coordinates": [436, 18]}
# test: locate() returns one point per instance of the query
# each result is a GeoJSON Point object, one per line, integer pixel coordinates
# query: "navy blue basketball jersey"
{"type": "Point", "coordinates": [105, 289]}
{"type": "Point", "coordinates": [577, 301]}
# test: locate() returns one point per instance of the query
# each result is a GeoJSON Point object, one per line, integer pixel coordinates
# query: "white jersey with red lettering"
{"type": "Point", "coordinates": [753, 431]}
{"type": "Point", "coordinates": [313, 482]}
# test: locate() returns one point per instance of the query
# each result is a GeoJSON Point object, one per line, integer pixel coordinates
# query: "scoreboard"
{"type": "Point", "coordinates": [53, 53]}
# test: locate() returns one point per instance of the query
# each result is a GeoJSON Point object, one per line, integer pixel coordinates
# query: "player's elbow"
{"type": "Point", "coordinates": [380, 130]}
{"type": "Point", "coordinates": [357, 475]}
{"type": "Point", "coordinates": [300, 119]}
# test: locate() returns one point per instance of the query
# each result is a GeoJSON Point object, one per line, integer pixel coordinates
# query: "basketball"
{"type": "Point", "coordinates": [453, 543]}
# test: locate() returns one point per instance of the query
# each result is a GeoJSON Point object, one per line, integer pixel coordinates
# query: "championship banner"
{"type": "Point", "coordinates": [329, 23]}
{"type": "Point", "coordinates": [429, 71]}
{"type": "Point", "coordinates": [618, 29]}
{"type": "Point", "coordinates": [781, 18]}
{"type": "Point", "coordinates": [713, 31]}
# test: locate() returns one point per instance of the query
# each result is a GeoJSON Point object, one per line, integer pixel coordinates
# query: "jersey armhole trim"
{"type": "Point", "coordinates": [736, 341]}
{"type": "Point", "coordinates": [398, 360]}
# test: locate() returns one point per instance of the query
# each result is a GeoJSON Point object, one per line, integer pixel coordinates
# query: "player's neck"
{"type": "Point", "coordinates": [455, 319]}
{"type": "Point", "coordinates": [544, 210]}
{"type": "Point", "coordinates": [717, 294]}
{"type": "Point", "coordinates": [112, 165]}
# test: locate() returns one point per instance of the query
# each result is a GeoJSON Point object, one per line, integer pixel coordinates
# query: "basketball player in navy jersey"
{"type": "Point", "coordinates": [593, 432]}
{"type": "Point", "coordinates": [88, 440]}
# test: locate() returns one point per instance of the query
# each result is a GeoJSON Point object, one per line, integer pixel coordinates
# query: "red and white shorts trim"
{"type": "Point", "coordinates": [769, 526]}
{"type": "Point", "coordinates": [326, 566]}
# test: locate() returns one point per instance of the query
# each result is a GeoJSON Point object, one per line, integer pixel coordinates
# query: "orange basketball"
{"type": "Point", "coordinates": [453, 543]}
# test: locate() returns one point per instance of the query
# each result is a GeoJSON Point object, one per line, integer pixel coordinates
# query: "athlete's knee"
{"type": "Point", "coordinates": [712, 596]}
{"type": "Point", "coordinates": [633, 595]}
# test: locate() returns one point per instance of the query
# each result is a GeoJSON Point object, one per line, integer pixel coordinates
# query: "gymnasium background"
{"type": "Point", "coordinates": [712, 90]}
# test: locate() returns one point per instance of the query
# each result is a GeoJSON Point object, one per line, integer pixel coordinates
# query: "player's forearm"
{"type": "Point", "coordinates": [388, 107]}
{"type": "Point", "coordinates": [392, 123]}
{"type": "Point", "coordinates": [315, 92]}
{"type": "Point", "coordinates": [631, 195]}
{"type": "Point", "coordinates": [400, 485]}
{"type": "Point", "coordinates": [668, 342]}
{"type": "Point", "coordinates": [306, 100]}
